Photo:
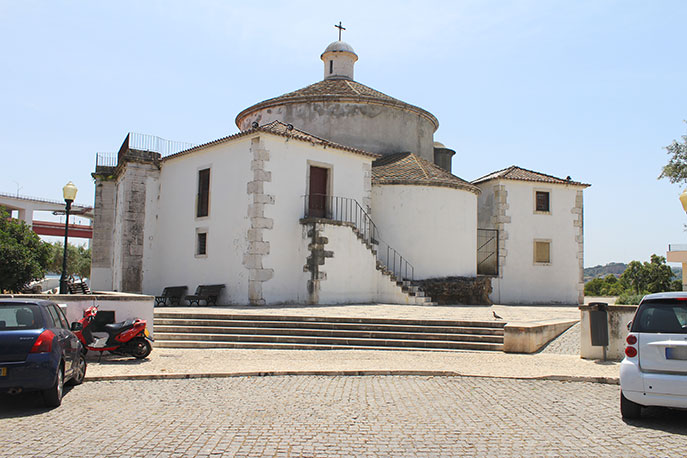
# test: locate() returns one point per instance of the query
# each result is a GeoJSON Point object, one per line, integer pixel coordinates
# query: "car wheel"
{"type": "Point", "coordinates": [629, 409]}
{"type": "Point", "coordinates": [79, 371]}
{"type": "Point", "coordinates": [53, 395]}
{"type": "Point", "coordinates": [140, 348]}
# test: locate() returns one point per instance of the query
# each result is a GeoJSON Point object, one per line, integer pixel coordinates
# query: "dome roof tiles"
{"type": "Point", "coordinates": [336, 90]}
{"type": "Point", "coordinates": [410, 169]}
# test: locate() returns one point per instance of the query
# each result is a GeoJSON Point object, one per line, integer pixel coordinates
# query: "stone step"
{"type": "Point", "coordinates": [199, 315]}
{"type": "Point", "coordinates": [413, 345]}
{"type": "Point", "coordinates": [177, 333]}
{"type": "Point", "coordinates": [163, 323]}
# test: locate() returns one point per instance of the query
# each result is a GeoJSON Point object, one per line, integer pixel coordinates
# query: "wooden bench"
{"type": "Point", "coordinates": [173, 293]}
{"type": "Point", "coordinates": [207, 293]}
{"type": "Point", "coordinates": [77, 287]}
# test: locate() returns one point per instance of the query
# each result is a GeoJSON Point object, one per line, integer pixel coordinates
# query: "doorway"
{"type": "Point", "coordinates": [317, 192]}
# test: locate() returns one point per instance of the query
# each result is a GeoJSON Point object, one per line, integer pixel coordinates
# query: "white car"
{"type": "Point", "coordinates": [654, 371]}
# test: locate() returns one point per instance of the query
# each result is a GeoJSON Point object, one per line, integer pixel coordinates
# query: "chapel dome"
{"type": "Point", "coordinates": [339, 46]}
{"type": "Point", "coordinates": [344, 111]}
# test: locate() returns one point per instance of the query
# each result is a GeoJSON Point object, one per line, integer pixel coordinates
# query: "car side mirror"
{"type": "Point", "coordinates": [629, 325]}
{"type": "Point", "coordinates": [76, 326]}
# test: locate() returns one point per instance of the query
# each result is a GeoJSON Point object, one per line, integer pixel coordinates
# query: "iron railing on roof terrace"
{"type": "Point", "coordinates": [152, 143]}
{"type": "Point", "coordinates": [145, 142]}
{"type": "Point", "coordinates": [105, 160]}
{"type": "Point", "coordinates": [347, 210]}
{"type": "Point", "coordinates": [677, 247]}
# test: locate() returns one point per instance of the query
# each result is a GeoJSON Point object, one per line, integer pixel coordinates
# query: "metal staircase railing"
{"type": "Point", "coordinates": [487, 252]}
{"type": "Point", "coordinates": [347, 210]}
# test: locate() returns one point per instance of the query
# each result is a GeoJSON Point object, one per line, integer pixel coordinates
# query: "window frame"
{"type": "Point", "coordinates": [534, 252]}
{"type": "Point", "coordinates": [535, 192]}
{"type": "Point", "coordinates": [201, 231]}
{"type": "Point", "coordinates": [202, 192]}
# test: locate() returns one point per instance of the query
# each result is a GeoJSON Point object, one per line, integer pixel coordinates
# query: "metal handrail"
{"type": "Point", "coordinates": [487, 251]}
{"type": "Point", "coordinates": [347, 210]}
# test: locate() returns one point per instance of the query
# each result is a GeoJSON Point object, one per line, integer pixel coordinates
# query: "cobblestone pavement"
{"type": "Point", "coordinates": [317, 416]}
{"type": "Point", "coordinates": [567, 343]}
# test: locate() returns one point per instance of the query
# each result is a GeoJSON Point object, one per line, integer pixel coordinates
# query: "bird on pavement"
{"type": "Point", "coordinates": [496, 317]}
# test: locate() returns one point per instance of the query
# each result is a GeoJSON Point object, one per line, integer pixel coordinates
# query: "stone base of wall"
{"type": "Point", "coordinates": [457, 290]}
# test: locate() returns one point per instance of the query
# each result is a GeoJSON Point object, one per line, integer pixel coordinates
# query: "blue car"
{"type": "Point", "coordinates": [38, 351]}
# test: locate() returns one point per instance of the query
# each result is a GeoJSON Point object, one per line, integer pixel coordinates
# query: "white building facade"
{"type": "Point", "coordinates": [539, 219]}
{"type": "Point", "coordinates": [335, 193]}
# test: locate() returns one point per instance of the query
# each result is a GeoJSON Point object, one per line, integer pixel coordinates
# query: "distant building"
{"type": "Point", "coordinates": [334, 193]}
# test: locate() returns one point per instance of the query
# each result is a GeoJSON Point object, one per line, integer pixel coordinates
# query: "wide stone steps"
{"type": "Point", "coordinates": [197, 330]}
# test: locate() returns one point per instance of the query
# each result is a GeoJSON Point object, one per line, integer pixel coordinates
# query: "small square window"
{"type": "Point", "coordinates": [542, 252]}
{"type": "Point", "coordinates": [542, 201]}
{"type": "Point", "coordinates": [202, 244]}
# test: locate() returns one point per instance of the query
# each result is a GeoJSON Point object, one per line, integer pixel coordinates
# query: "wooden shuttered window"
{"type": "Point", "coordinates": [542, 204]}
{"type": "Point", "coordinates": [203, 201]}
{"type": "Point", "coordinates": [542, 252]}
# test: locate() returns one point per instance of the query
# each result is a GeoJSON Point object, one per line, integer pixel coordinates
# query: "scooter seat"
{"type": "Point", "coordinates": [116, 328]}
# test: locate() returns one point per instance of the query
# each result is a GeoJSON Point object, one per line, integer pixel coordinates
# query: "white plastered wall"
{"type": "Point", "coordinates": [351, 273]}
{"type": "Point", "coordinates": [171, 259]}
{"type": "Point", "coordinates": [434, 228]}
{"type": "Point", "coordinates": [289, 163]}
{"type": "Point", "coordinates": [521, 280]}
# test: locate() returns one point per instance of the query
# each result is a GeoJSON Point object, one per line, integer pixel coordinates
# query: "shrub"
{"type": "Point", "coordinates": [629, 298]}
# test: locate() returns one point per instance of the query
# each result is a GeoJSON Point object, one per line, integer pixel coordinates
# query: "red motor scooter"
{"type": "Point", "coordinates": [128, 337]}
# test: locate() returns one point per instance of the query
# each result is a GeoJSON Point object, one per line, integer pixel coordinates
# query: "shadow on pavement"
{"type": "Point", "coordinates": [27, 404]}
{"type": "Point", "coordinates": [100, 358]}
{"type": "Point", "coordinates": [661, 419]}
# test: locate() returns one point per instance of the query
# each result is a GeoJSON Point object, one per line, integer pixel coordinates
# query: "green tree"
{"type": "Point", "coordinates": [634, 277]}
{"type": "Point", "coordinates": [659, 275]}
{"type": "Point", "coordinates": [650, 277]}
{"type": "Point", "coordinates": [23, 255]}
{"type": "Point", "coordinates": [78, 260]}
{"type": "Point", "coordinates": [676, 169]}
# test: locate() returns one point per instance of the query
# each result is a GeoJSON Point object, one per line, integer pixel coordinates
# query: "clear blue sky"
{"type": "Point", "coordinates": [592, 89]}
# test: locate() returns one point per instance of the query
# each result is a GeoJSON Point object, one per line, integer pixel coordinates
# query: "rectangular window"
{"type": "Point", "coordinates": [203, 202]}
{"type": "Point", "coordinates": [202, 244]}
{"type": "Point", "coordinates": [542, 252]}
{"type": "Point", "coordinates": [542, 201]}
{"type": "Point", "coordinates": [331, 67]}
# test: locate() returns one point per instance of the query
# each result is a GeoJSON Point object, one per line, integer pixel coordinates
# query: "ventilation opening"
{"type": "Point", "coordinates": [331, 67]}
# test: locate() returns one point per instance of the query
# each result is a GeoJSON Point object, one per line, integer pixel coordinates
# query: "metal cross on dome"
{"type": "Point", "coordinates": [340, 27]}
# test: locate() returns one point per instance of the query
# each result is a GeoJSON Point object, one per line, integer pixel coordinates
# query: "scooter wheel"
{"type": "Point", "coordinates": [140, 348]}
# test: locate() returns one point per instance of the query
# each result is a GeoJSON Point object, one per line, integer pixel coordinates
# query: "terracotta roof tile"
{"type": "Point", "coordinates": [410, 169]}
{"type": "Point", "coordinates": [336, 90]}
{"type": "Point", "coordinates": [283, 130]}
{"type": "Point", "coordinates": [519, 174]}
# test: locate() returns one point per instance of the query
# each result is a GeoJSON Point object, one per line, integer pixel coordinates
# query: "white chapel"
{"type": "Point", "coordinates": [333, 193]}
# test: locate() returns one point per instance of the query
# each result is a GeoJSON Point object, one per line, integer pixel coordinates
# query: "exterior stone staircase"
{"type": "Point", "coordinates": [409, 289]}
{"type": "Point", "coordinates": [195, 329]}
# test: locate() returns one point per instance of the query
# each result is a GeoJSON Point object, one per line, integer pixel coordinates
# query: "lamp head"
{"type": "Point", "coordinates": [69, 192]}
{"type": "Point", "coordinates": [683, 200]}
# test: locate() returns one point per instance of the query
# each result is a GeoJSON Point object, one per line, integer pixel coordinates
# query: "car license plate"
{"type": "Point", "coordinates": [3, 371]}
{"type": "Point", "coordinates": [146, 333]}
{"type": "Point", "coordinates": [676, 353]}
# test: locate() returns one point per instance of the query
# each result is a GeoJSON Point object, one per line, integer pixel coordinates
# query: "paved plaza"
{"type": "Point", "coordinates": [319, 416]}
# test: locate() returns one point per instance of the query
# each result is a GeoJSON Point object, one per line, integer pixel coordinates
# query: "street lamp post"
{"type": "Point", "coordinates": [69, 194]}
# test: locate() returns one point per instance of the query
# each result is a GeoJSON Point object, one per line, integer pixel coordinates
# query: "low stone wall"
{"type": "Point", "coordinates": [618, 317]}
{"type": "Point", "coordinates": [457, 290]}
{"type": "Point", "coordinates": [529, 337]}
{"type": "Point", "coordinates": [124, 305]}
